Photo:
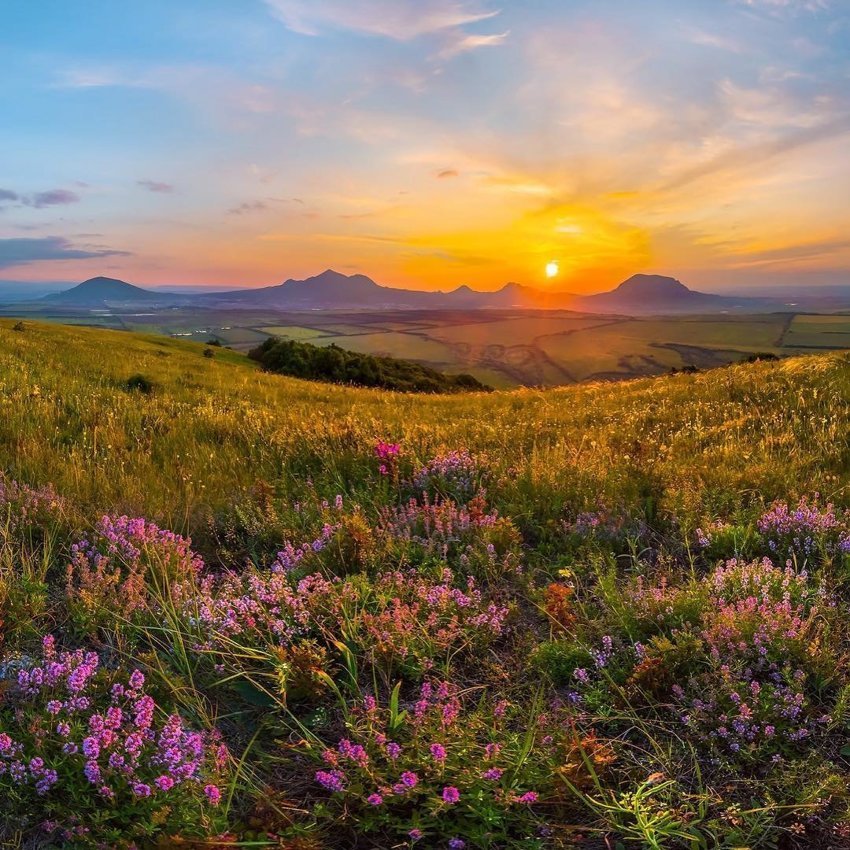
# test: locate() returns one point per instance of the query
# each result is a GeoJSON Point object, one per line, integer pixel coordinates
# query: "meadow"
{"type": "Point", "coordinates": [238, 609]}
{"type": "Point", "coordinates": [504, 348]}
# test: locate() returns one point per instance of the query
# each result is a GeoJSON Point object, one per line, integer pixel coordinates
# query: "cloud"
{"type": "Point", "coordinates": [448, 172]}
{"type": "Point", "coordinates": [156, 186]}
{"type": "Point", "coordinates": [786, 7]}
{"type": "Point", "coordinates": [39, 200]}
{"type": "Point", "coordinates": [249, 207]}
{"type": "Point", "coordinates": [19, 252]}
{"type": "Point", "coordinates": [401, 20]}
{"type": "Point", "coordinates": [51, 198]}
{"type": "Point", "coordinates": [464, 43]}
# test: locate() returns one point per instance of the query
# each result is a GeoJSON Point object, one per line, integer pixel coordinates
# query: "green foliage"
{"type": "Point", "coordinates": [338, 366]}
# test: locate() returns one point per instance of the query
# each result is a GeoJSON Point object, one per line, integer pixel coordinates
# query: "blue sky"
{"type": "Point", "coordinates": [429, 143]}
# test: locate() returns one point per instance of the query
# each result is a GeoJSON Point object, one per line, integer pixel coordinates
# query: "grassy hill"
{"type": "Point", "coordinates": [532, 593]}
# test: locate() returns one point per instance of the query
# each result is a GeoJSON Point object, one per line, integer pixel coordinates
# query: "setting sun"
{"type": "Point", "coordinates": [551, 269]}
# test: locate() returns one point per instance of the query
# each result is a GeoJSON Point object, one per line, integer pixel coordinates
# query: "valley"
{"type": "Point", "coordinates": [503, 348]}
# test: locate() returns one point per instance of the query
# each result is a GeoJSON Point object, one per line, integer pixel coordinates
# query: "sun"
{"type": "Point", "coordinates": [551, 269]}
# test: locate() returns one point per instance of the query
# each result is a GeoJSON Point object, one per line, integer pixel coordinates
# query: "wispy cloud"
{"type": "Point", "coordinates": [19, 252]}
{"type": "Point", "coordinates": [461, 43]}
{"type": "Point", "coordinates": [248, 207]}
{"type": "Point", "coordinates": [39, 200]}
{"type": "Point", "coordinates": [397, 19]}
{"type": "Point", "coordinates": [156, 186]}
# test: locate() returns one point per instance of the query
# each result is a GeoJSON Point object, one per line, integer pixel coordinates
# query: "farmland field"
{"type": "Point", "coordinates": [506, 348]}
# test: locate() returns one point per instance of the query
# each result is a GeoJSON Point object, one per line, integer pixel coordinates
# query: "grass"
{"type": "Point", "coordinates": [555, 598]}
{"type": "Point", "coordinates": [213, 428]}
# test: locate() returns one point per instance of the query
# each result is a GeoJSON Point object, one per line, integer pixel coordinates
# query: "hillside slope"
{"type": "Point", "coordinates": [67, 418]}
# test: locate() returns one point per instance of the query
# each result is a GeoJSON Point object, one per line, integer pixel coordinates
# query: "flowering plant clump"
{"type": "Point", "coordinates": [760, 613]}
{"type": "Point", "coordinates": [443, 530]}
{"type": "Point", "coordinates": [599, 524]}
{"type": "Point", "coordinates": [748, 716]}
{"type": "Point", "coordinates": [402, 620]}
{"type": "Point", "coordinates": [387, 455]}
{"type": "Point", "coordinates": [26, 509]}
{"type": "Point", "coordinates": [448, 765]}
{"type": "Point", "coordinates": [455, 475]}
{"type": "Point", "coordinates": [87, 755]}
{"type": "Point", "coordinates": [111, 570]}
{"type": "Point", "coordinates": [407, 620]}
{"type": "Point", "coordinates": [805, 532]}
{"type": "Point", "coordinates": [291, 557]}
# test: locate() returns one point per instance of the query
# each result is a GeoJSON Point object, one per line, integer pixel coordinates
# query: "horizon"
{"type": "Point", "coordinates": [464, 143]}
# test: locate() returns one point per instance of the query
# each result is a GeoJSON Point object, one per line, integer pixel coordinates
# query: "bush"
{"type": "Point", "coordinates": [336, 365]}
{"type": "Point", "coordinates": [139, 383]}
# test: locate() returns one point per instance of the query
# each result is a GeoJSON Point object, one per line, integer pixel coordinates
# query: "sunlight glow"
{"type": "Point", "coordinates": [551, 269]}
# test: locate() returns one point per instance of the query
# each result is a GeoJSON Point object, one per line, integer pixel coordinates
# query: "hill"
{"type": "Point", "coordinates": [478, 617]}
{"type": "Point", "coordinates": [102, 291]}
{"type": "Point", "coordinates": [643, 294]}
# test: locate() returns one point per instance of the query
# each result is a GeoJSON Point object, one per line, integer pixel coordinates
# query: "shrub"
{"type": "Point", "coordinates": [139, 383]}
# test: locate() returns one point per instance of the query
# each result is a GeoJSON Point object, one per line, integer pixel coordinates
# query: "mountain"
{"type": "Point", "coordinates": [102, 291]}
{"type": "Point", "coordinates": [330, 290]}
{"type": "Point", "coordinates": [641, 294]}
{"type": "Point", "coordinates": [653, 293]}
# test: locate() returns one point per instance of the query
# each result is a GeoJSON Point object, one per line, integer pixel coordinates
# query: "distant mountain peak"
{"type": "Point", "coordinates": [653, 284]}
{"type": "Point", "coordinates": [96, 291]}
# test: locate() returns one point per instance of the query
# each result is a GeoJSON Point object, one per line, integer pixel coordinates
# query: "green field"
{"type": "Point", "coordinates": [508, 348]}
{"type": "Point", "coordinates": [548, 600]}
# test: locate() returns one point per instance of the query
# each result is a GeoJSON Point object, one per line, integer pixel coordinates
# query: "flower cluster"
{"type": "Point", "coordinates": [74, 731]}
{"type": "Point", "coordinates": [749, 716]}
{"type": "Point", "coordinates": [806, 531]}
{"type": "Point", "coordinates": [23, 507]}
{"type": "Point", "coordinates": [398, 618]}
{"type": "Point", "coordinates": [440, 527]}
{"type": "Point", "coordinates": [111, 569]}
{"type": "Point", "coordinates": [387, 455]}
{"type": "Point", "coordinates": [292, 557]}
{"type": "Point", "coordinates": [760, 613]}
{"type": "Point", "coordinates": [451, 765]}
{"type": "Point", "coordinates": [455, 475]}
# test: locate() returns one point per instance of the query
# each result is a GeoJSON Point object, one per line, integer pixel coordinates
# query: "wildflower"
{"type": "Point", "coordinates": [333, 780]}
{"type": "Point", "coordinates": [213, 794]}
{"type": "Point", "coordinates": [375, 799]}
{"type": "Point", "coordinates": [415, 834]}
{"type": "Point", "coordinates": [528, 798]}
{"type": "Point", "coordinates": [450, 795]}
{"type": "Point", "coordinates": [438, 752]}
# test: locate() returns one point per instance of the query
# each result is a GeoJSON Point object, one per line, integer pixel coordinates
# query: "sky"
{"type": "Point", "coordinates": [426, 143]}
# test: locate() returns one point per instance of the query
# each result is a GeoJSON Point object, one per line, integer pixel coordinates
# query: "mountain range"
{"type": "Point", "coordinates": [331, 290]}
